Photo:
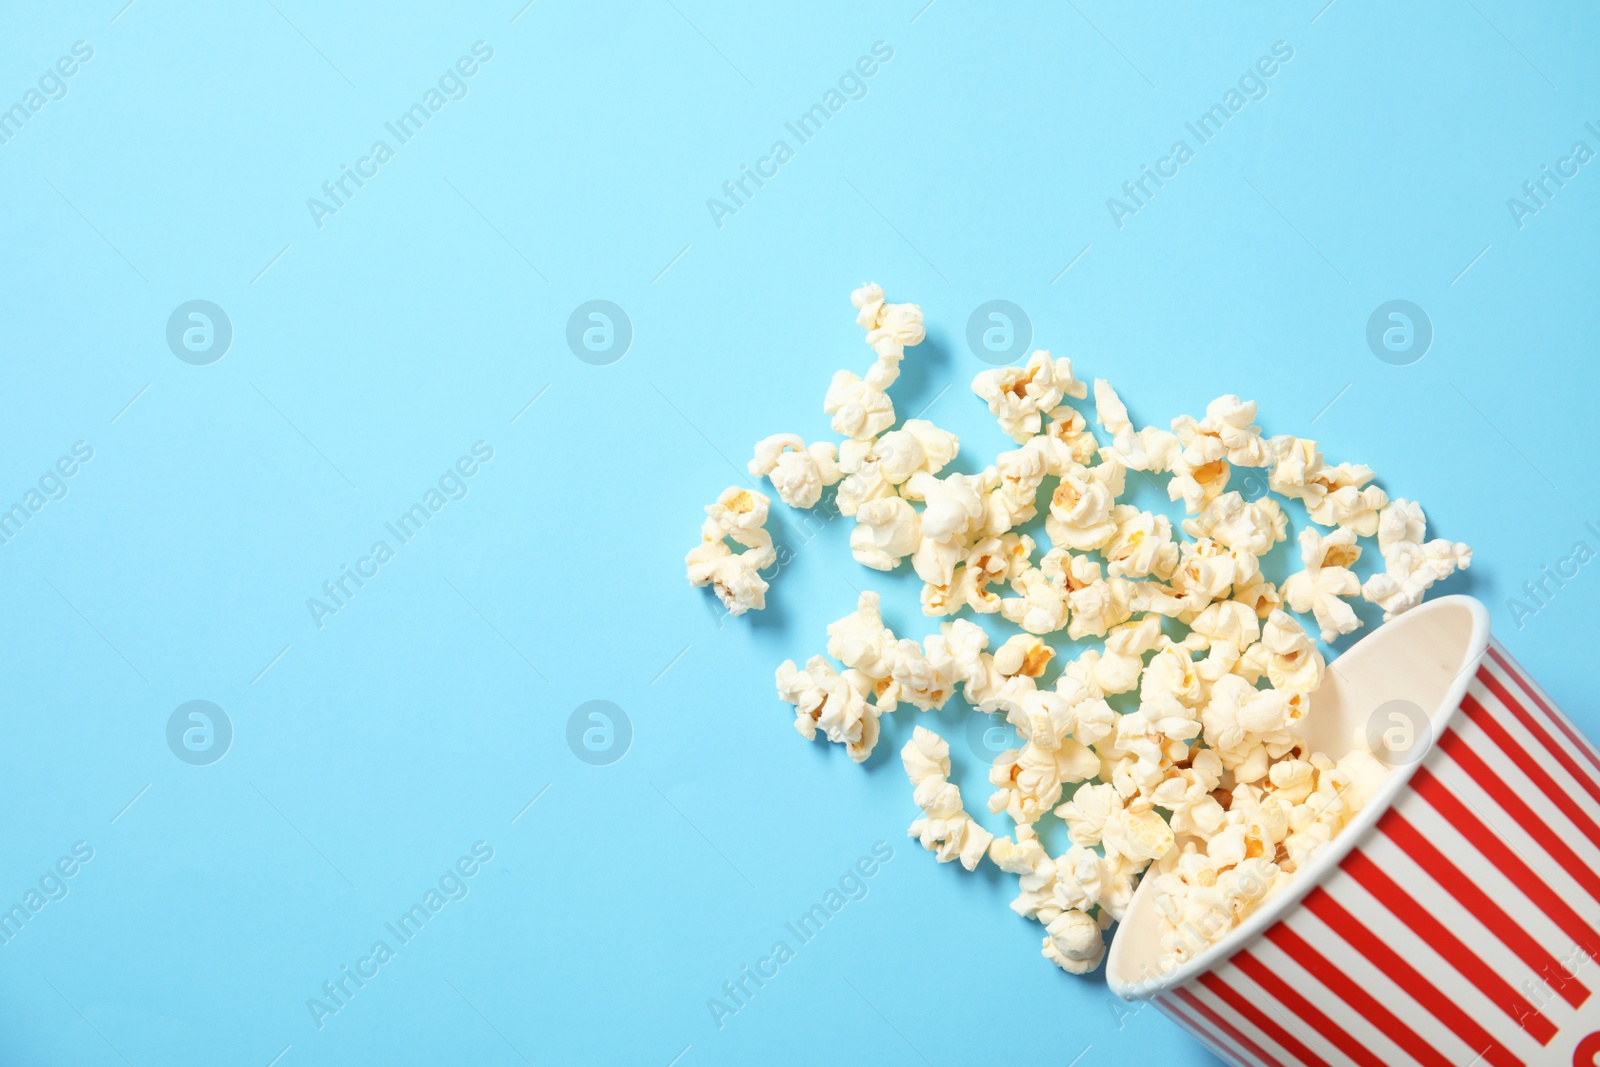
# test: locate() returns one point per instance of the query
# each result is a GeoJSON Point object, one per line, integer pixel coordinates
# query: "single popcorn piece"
{"type": "Point", "coordinates": [891, 328]}
{"type": "Point", "coordinates": [861, 641]}
{"type": "Point", "coordinates": [860, 409]}
{"type": "Point", "coordinates": [739, 515]}
{"type": "Point", "coordinates": [1295, 664]}
{"type": "Point", "coordinates": [1021, 396]}
{"type": "Point", "coordinates": [918, 445]}
{"type": "Point", "coordinates": [798, 472]}
{"type": "Point", "coordinates": [1142, 544]}
{"type": "Point", "coordinates": [1252, 527]}
{"type": "Point", "coordinates": [888, 529]}
{"type": "Point", "coordinates": [1074, 943]}
{"type": "Point", "coordinates": [1325, 579]}
{"type": "Point", "coordinates": [1080, 507]}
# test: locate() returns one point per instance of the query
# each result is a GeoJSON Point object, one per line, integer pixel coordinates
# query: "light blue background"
{"type": "Point", "coordinates": [425, 316]}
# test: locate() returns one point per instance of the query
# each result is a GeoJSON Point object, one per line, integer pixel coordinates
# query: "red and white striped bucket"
{"type": "Point", "coordinates": [1456, 921]}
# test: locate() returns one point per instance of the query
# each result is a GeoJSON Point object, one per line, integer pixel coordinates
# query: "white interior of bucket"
{"type": "Point", "coordinates": [1425, 657]}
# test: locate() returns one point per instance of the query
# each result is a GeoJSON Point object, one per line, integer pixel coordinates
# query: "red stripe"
{"type": "Point", "coordinates": [1208, 1037]}
{"type": "Point", "coordinates": [1474, 899]}
{"type": "Point", "coordinates": [1362, 1002]}
{"type": "Point", "coordinates": [1590, 782]}
{"type": "Point", "coordinates": [1227, 1028]}
{"type": "Point", "coordinates": [1260, 1020]}
{"type": "Point", "coordinates": [1485, 721]}
{"type": "Point", "coordinates": [1501, 791]}
{"type": "Point", "coordinates": [1360, 867]}
{"type": "Point", "coordinates": [1551, 713]}
{"type": "Point", "coordinates": [1408, 978]}
{"type": "Point", "coordinates": [1275, 986]}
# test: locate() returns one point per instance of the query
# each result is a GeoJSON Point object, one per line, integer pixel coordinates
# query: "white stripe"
{"type": "Point", "coordinates": [1276, 1051]}
{"type": "Point", "coordinates": [1280, 1013]}
{"type": "Point", "coordinates": [1482, 873]}
{"type": "Point", "coordinates": [1298, 978]}
{"type": "Point", "coordinates": [1385, 990]}
{"type": "Point", "coordinates": [1477, 935]}
{"type": "Point", "coordinates": [1202, 1029]}
{"type": "Point", "coordinates": [1505, 826]}
{"type": "Point", "coordinates": [1434, 968]}
{"type": "Point", "coordinates": [1583, 738]}
{"type": "Point", "coordinates": [1577, 789]}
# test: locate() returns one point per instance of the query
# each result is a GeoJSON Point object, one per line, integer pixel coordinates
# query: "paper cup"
{"type": "Point", "coordinates": [1456, 920]}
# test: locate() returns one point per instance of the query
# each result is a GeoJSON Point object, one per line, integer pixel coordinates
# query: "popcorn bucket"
{"type": "Point", "coordinates": [1456, 920]}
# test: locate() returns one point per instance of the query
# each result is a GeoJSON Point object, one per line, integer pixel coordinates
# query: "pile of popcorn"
{"type": "Point", "coordinates": [1206, 783]}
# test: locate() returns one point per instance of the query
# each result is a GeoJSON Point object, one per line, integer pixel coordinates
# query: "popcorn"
{"type": "Point", "coordinates": [891, 328]}
{"type": "Point", "coordinates": [1149, 449]}
{"type": "Point", "coordinates": [888, 529]}
{"type": "Point", "coordinates": [860, 409]}
{"type": "Point", "coordinates": [1229, 422]}
{"type": "Point", "coordinates": [797, 471]}
{"type": "Point", "coordinates": [954, 505]}
{"type": "Point", "coordinates": [862, 642]}
{"type": "Point", "coordinates": [1410, 566]}
{"type": "Point", "coordinates": [1080, 507]}
{"type": "Point", "coordinates": [918, 445]}
{"type": "Point", "coordinates": [834, 703]}
{"type": "Point", "coordinates": [1246, 527]}
{"type": "Point", "coordinates": [1074, 943]}
{"type": "Point", "coordinates": [739, 515]}
{"type": "Point", "coordinates": [1141, 545]}
{"type": "Point", "coordinates": [945, 829]}
{"type": "Point", "coordinates": [1326, 578]}
{"type": "Point", "coordinates": [1020, 395]}
{"type": "Point", "coordinates": [1209, 786]}
{"type": "Point", "coordinates": [1295, 663]}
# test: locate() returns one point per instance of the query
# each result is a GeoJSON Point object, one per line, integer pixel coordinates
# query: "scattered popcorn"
{"type": "Point", "coordinates": [1208, 785]}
